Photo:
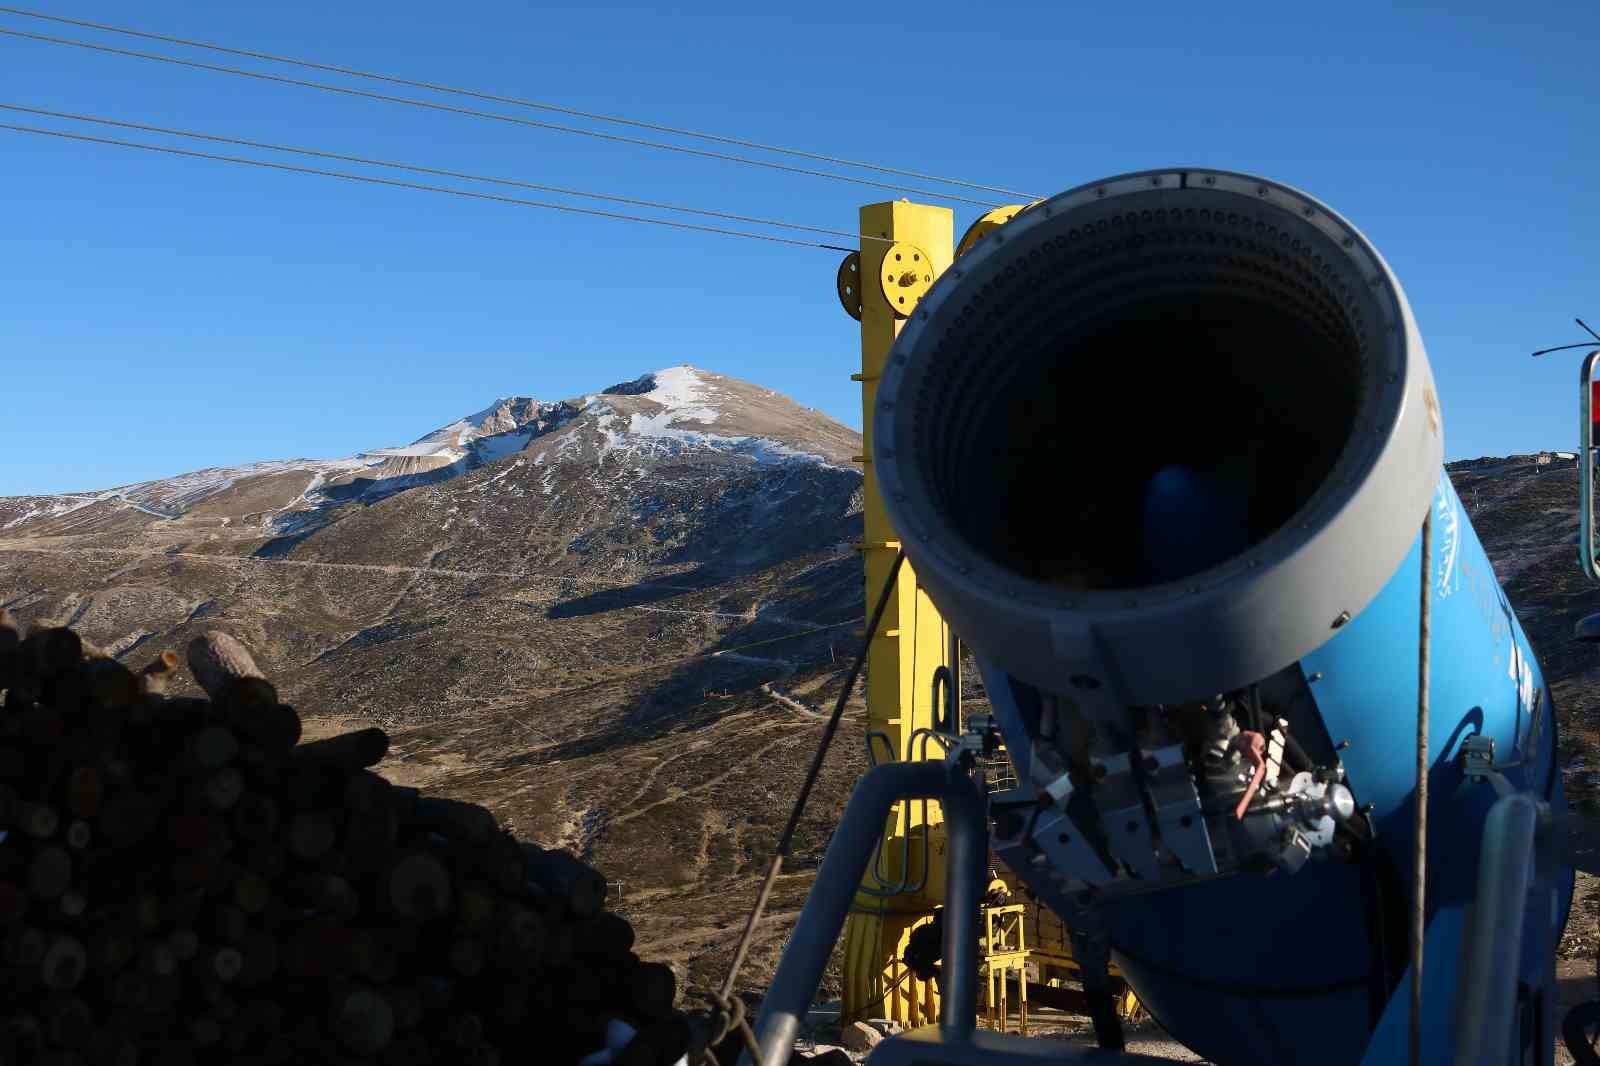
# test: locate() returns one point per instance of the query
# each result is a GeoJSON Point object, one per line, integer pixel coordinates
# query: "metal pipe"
{"type": "Point", "coordinates": [966, 860]}
{"type": "Point", "coordinates": [1419, 855]}
{"type": "Point", "coordinates": [799, 971]}
{"type": "Point", "coordinates": [1491, 951]}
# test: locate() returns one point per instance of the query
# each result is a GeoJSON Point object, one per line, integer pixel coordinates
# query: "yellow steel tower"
{"type": "Point", "coordinates": [904, 247]}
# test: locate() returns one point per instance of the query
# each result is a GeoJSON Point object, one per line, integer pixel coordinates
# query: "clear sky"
{"type": "Point", "coordinates": [158, 314]}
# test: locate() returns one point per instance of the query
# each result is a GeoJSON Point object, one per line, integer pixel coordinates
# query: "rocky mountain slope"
{"type": "Point", "coordinates": [569, 611]}
{"type": "Point", "coordinates": [615, 619]}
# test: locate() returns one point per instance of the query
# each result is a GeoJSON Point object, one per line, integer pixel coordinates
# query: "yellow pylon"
{"type": "Point", "coordinates": [904, 248]}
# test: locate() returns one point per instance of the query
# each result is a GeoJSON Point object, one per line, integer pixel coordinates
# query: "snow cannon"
{"type": "Point", "coordinates": [1161, 449]}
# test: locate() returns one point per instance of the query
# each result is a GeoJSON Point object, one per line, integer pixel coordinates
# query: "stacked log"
{"type": "Point", "coordinates": [182, 881]}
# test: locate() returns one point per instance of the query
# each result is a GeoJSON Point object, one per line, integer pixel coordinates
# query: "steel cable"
{"type": "Point", "coordinates": [785, 840]}
{"type": "Point", "coordinates": [366, 161]}
{"type": "Point", "coordinates": [538, 105]}
{"type": "Point", "coordinates": [419, 186]}
{"type": "Point", "coordinates": [492, 115]}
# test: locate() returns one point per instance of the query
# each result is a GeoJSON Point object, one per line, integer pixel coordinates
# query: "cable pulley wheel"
{"type": "Point", "coordinates": [850, 285]}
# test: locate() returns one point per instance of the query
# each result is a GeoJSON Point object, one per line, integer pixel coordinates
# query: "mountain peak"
{"type": "Point", "coordinates": [663, 415]}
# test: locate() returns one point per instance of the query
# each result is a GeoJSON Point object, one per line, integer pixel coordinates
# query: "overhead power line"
{"type": "Point", "coordinates": [492, 115]}
{"type": "Point", "coordinates": [367, 161]}
{"type": "Point", "coordinates": [539, 105]}
{"type": "Point", "coordinates": [419, 186]}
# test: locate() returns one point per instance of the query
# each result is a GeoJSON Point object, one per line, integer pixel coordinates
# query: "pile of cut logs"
{"type": "Point", "coordinates": [182, 881]}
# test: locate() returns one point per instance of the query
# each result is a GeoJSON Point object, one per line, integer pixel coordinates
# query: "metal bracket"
{"type": "Point", "coordinates": [1477, 762]}
{"type": "Point", "coordinates": [1277, 740]}
{"type": "Point", "coordinates": [1068, 850]}
{"type": "Point", "coordinates": [1177, 804]}
{"type": "Point", "coordinates": [1122, 813]}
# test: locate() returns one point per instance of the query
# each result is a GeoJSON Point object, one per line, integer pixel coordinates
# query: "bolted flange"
{"type": "Point", "coordinates": [905, 276]}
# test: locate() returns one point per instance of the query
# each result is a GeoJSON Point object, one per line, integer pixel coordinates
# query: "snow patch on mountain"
{"type": "Point", "coordinates": [684, 393]}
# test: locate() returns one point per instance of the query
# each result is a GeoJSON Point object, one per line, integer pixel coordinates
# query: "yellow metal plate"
{"type": "Point", "coordinates": [906, 275]}
{"type": "Point", "coordinates": [849, 282]}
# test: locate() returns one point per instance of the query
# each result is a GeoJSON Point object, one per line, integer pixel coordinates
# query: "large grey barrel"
{"type": "Point", "coordinates": [1217, 328]}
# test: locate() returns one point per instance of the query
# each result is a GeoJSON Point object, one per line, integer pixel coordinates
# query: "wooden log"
{"type": "Point", "coordinates": [110, 950]}
{"type": "Point", "coordinates": [348, 752]}
{"type": "Point", "coordinates": [417, 886]}
{"type": "Point", "coordinates": [475, 905]}
{"type": "Point", "coordinates": [111, 686]}
{"type": "Point", "coordinates": [51, 650]}
{"type": "Point", "coordinates": [367, 793]}
{"type": "Point", "coordinates": [605, 936]}
{"type": "Point", "coordinates": [364, 1020]}
{"type": "Point", "coordinates": [220, 663]}
{"type": "Point", "coordinates": [50, 873]}
{"type": "Point", "coordinates": [24, 947]}
{"type": "Point", "coordinates": [223, 788]}
{"type": "Point", "coordinates": [652, 988]}
{"type": "Point", "coordinates": [454, 819]}
{"type": "Point", "coordinates": [224, 963]}
{"type": "Point", "coordinates": [326, 893]}
{"type": "Point", "coordinates": [38, 820]}
{"type": "Point", "coordinates": [156, 676]}
{"type": "Point", "coordinates": [406, 1004]}
{"type": "Point", "coordinates": [260, 952]}
{"type": "Point", "coordinates": [157, 960]}
{"type": "Point", "coordinates": [67, 1021]}
{"type": "Point", "coordinates": [230, 925]}
{"type": "Point", "coordinates": [14, 903]}
{"type": "Point", "coordinates": [252, 893]}
{"type": "Point", "coordinates": [85, 789]}
{"type": "Point", "coordinates": [14, 764]}
{"type": "Point", "coordinates": [312, 834]}
{"type": "Point", "coordinates": [467, 956]}
{"type": "Point", "coordinates": [255, 817]}
{"type": "Point", "coordinates": [563, 876]}
{"type": "Point", "coordinates": [374, 955]}
{"type": "Point", "coordinates": [184, 943]}
{"type": "Point", "coordinates": [128, 816]}
{"type": "Point", "coordinates": [10, 648]}
{"type": "Point", "coordinates": [212, 748]}
{"type": "Point", "coordinates": [64, 963]}
{"type": "Point", "coordinates": [79, 835]}
{"type": "Point", "coordinates": [42, 727]}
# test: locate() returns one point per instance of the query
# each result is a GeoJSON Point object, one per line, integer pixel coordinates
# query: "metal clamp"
{"type": "Point", "coordinates": [1177, 805]}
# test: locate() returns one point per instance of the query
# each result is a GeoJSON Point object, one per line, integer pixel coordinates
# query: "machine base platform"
{"type": "Point", "coordinates": [928, 1046]}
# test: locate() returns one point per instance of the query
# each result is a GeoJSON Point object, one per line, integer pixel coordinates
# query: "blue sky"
{"type": "Point", "coordinates": [158, 315]}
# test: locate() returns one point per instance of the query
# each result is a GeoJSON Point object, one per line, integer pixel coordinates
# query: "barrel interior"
{"type": "Point", "coordinates": [1145, 394]}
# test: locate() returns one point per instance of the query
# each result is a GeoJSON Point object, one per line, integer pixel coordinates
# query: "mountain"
{"type": "Point", "coordinates": [576, 612]}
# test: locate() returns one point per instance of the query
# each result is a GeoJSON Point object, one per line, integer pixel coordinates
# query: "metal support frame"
{"type": "Point", "coordinates": [1586, 558]}
{"type": "Point", "coordinates": [800, 970]}
{"type": "Point", "coordinates": [1005, 951]}
{"type": "Point", "coordinates": [904, 248]}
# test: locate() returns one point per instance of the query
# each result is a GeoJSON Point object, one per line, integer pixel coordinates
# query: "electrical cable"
{"type": "Point", "coordinates": [516, 101]}
{"type": "Point", "coordinates": [366, 161]}
{"type": "Point", "coordinates": [495, 116]}
{"type": "Point", "coordinates": [418, 186]}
